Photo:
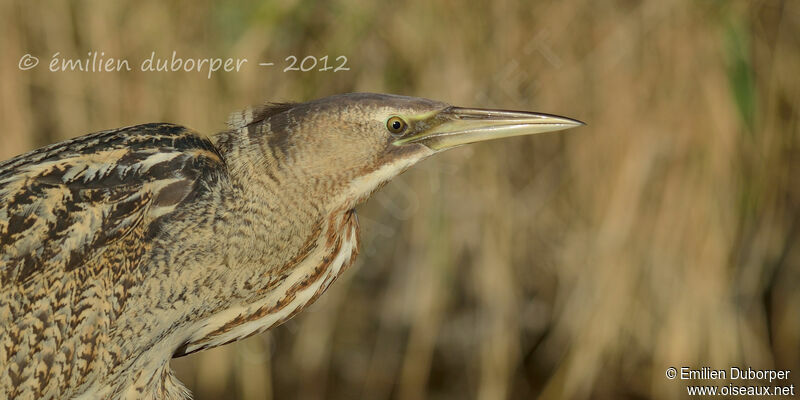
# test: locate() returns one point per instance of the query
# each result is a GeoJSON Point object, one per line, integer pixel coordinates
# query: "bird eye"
{"type": "Point", "coordinates": [396, 125]}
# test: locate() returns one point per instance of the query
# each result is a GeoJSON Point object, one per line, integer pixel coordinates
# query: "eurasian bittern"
{"type": "Point", "coordinates": [124, 248]}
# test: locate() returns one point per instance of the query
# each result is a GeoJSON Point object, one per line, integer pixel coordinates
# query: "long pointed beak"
{"type": "Point", "coordinates": [469, 125]}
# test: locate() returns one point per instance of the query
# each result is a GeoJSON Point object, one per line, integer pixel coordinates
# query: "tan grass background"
{"type": "Point", "coordinates": [573, 265]}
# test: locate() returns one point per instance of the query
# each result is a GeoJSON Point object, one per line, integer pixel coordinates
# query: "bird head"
{"type": "Point", "coordinates": [354, 143]}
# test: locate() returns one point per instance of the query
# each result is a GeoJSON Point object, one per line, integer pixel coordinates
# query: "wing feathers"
{"type": "Point", "coordinates": [61, 205]}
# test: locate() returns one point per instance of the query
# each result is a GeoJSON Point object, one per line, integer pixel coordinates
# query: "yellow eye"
{"type": "Point", "coordinates": [396, 125]}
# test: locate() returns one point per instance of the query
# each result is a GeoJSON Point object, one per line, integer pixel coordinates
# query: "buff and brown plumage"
{"type": "Point", "coordinates": [122, 249]}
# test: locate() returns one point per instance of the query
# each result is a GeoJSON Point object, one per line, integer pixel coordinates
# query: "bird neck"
{"type": "Point", "coordinates": [277, 245]}
{"type": "Point", "coordinates": [273, 199]}
{"type": "Point", "coordinates": [267, 171]}
{"type": "Point", "coordinates": [251, 161]}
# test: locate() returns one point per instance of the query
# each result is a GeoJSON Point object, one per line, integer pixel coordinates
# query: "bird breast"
{"type": "Point", "coordinates": [334, 249]}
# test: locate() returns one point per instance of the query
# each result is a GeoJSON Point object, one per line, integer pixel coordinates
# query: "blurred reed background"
{"type": "Point", "coordinates": [573, 265]}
